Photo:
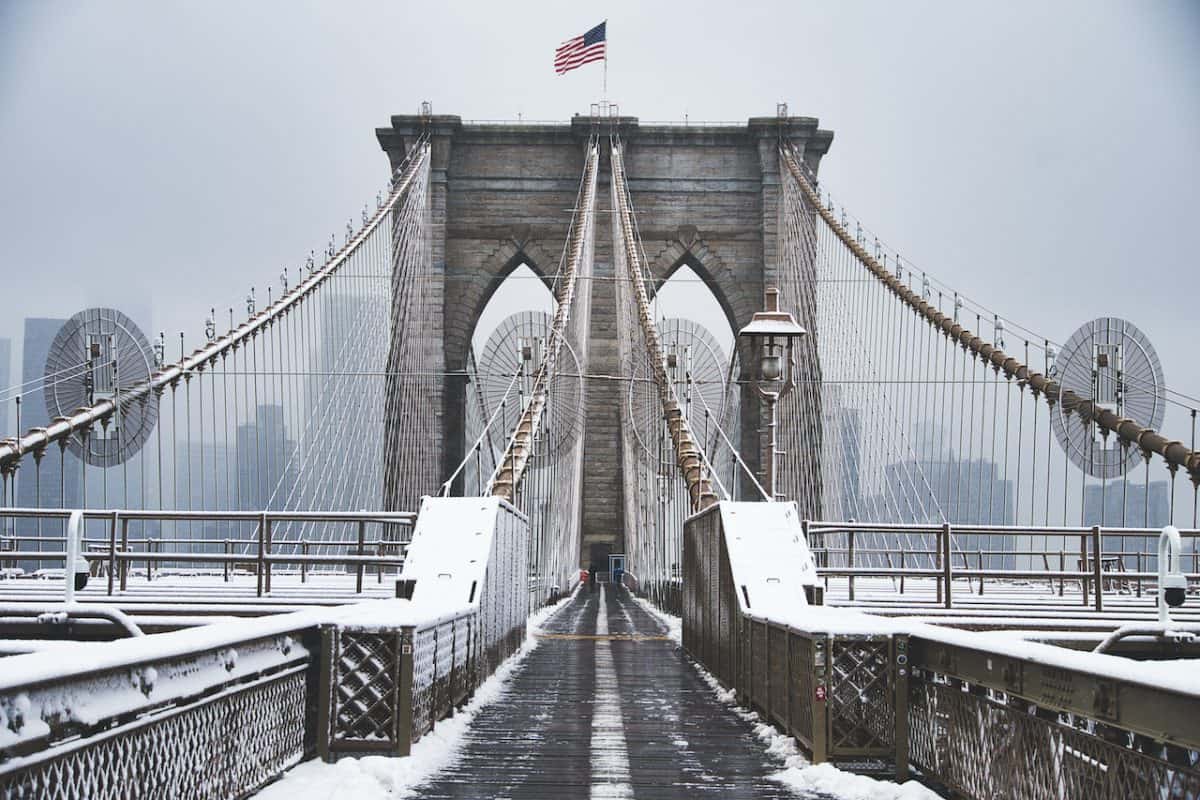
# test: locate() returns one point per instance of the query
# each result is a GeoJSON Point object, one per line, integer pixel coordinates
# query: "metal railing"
{"type": "Point", "coordinates": [261, 551]}
{"type": "Point", "coordinates": [978, 715]}
{"type": "Point", "coordinates": [838, 552]}
{"type": "Point", "coordinates": [989, 723]}
{"type": "Point", "coordinates": [141, 718]}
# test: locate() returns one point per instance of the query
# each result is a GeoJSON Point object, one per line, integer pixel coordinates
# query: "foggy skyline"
{"type": "Point", "coordinates": [1041, 160]}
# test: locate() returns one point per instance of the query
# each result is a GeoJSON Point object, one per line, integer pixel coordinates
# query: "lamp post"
{"type": "Point", "coordinates": [772, 334]}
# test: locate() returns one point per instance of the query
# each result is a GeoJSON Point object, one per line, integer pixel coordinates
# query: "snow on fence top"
{"type": "Point", "coordinates": [769, 557]}
{"type": "Point", "coordinates": [1176, 675]}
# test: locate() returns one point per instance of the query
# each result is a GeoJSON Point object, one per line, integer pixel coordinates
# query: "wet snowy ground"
{"type": "Point", "coordinates": [602, 704]}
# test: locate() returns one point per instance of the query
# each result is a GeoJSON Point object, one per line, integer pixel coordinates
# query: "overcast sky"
{"type": "Point", "coordinates": [1043, 158]}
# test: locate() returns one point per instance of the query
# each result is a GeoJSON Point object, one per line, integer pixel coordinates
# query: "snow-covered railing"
{"type": "Point", "coordinates": [389, 678]}
{"type": "Point", "coordinates": [219, 710]}
{"type": "Point", "coordinates": [983, 714]}
{"type": "Point", "coordinates": [1097, 559]}
{"type": "Point", "coordinates": [157, 716]}
{"type": "Point", "coordinates": [352, 540]}
{"type": "Point", "coordinates": [991, 716]}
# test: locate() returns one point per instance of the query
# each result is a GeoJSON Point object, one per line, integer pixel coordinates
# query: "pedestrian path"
{"type": "Point", "coordinates": [607, 707]}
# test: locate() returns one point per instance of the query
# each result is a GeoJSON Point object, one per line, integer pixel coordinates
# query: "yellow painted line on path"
{"type": "Point", "coordinates": [608, 637]}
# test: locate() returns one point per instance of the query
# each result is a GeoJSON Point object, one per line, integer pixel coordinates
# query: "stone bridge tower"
{"type": "Point", "coordinates": [706, 196]}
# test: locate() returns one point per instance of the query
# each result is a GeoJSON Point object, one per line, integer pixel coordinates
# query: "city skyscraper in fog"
{"type": "Point", "coordinates": [55, 481]}
{"type": "Point", "coordinates": [266, 472]}
{"type": "Point", "coordinates": [6, 382]}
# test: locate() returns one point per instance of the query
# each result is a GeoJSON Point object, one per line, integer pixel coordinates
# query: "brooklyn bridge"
{"type": "Point", "coordinates": [600, 458]}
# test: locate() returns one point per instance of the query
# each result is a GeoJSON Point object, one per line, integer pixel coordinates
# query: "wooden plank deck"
{"type": "Point", "coordinates": [607, 706]}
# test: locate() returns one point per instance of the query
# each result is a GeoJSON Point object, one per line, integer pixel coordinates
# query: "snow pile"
{"type": "Point", "coordinates": [797, 773]}
{"type": "Point", "coordinates": [828, 779]}
{"type": "Point", "coordinates": [674, 624]}
{"type": "Point", "coordinates": [386, 778]}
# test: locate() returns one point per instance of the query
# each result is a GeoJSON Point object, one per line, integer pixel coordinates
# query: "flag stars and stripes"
{"type": "Point", "coordinates": [574, 53]}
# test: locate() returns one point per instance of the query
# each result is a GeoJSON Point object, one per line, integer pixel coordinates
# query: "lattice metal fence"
{"type": "Point", "coordinates": [986, 744]}
{"type": "Point", "coordinates": [835, 693]}
{"type": "Point", "coordinates": [217, 748]}
{"type": "Point", "coordinates": [862, 696]}
{"type": "Point", "coordinates": [363, 668]}
{"type": "Point", "coordinates": [387, 685]}
{"type": "Point", "coordinates": [197, 732]}
{"type": "Point", "coordinates": [982, 721]}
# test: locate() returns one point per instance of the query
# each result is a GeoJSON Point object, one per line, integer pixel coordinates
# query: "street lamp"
{"type": "Point", "coordinates": [772, 335]}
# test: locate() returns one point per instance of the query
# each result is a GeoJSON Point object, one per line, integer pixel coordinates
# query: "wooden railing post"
{"type": "Point", "coordinates": [822, 671]}
{"type": "Point", "coordinates": [900, 667]}
{"type": "Point", "coordinates": [260, 561]}
{"type": "Point", "coordinates": [850, 559]}
{"type": "Point", "coordinates": [1083, 567]}
{"type": "Point", "coordinates": [267, 548]}
{"type": "Point", "coordinates": [327, 679]}
{"type": "Point", "coordinates": [937, 557]}
{"type": "Point", "coordinates": [362, 546]}
{"type": "Point", "coordinates": [125, 551]}
{"type": "Point", "coordinates": [112, 554]}
{"type": "Point", "coordinates": [1097, 568]}
{"type": "Point", "coordinates": [947, 566]}
{"type": "Point", "coordinates": [404, 693]}
{"type": "Point", "coordinates": [225, 565]}
{"type": "Point", "coordinates": [304, 564]}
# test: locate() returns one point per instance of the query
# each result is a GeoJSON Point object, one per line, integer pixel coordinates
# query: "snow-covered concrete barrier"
{"type": "Point", "coordinates": [982, 715]}
{"type": "Point", "coordinates": [389, 677]}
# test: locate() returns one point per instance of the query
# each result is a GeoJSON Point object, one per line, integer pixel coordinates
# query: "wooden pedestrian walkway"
{"type": "Point", "coordinates": [608, 707]}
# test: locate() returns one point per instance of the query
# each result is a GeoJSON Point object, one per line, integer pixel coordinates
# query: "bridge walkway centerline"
{"type": "Point", "coordinates": [607, 706]}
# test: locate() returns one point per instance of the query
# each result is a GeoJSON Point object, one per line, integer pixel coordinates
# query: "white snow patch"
{"type": "Point", "coordinates": [386, 778]}
{"type": "Point", "coordinates": [769, 557]}
{"type": "Point", "coordinates": [806, 778]}
{"type": "Point", "coordinates": [797, 773]}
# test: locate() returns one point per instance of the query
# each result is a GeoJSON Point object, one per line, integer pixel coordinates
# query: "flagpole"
{"type": "Point", "coordinates": [604, 92]}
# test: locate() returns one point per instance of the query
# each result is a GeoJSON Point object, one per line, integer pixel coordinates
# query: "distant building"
{"type": "Point", "coordinates": [842, 485]}
{"type": "Point", "coordinates": [6, 383]}
{"type": "Point", "coordinates": [267, 472]}
{"type": "Point", "coordinates": [57, 481]}
{"type": "Point", "coordinates": [338, 399]}
{"type": "Point", "coordinates": [1109, 506]}
{"type": "Point", "coordinates": [964, 492]}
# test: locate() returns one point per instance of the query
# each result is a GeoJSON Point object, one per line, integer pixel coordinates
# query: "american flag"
{"type": "Point", "coordinates": [581, 50]}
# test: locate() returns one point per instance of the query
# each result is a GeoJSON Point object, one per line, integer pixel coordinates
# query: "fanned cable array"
{"type": "Point", "coordinates": [325, 399]}
{"type": "Point", "coordinates": [914, 407]}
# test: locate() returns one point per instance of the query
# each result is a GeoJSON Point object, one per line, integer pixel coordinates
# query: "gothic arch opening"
{"type": "Point", "coordinates": [685, 294]}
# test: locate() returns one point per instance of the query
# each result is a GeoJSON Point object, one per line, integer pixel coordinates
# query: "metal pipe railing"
{"type": "Point", "coordinates": [1095, 564]}
{"type": "Point", "coordinates": [117, 553]}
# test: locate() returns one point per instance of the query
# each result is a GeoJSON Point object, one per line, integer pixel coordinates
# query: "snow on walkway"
{"type": "Point", "coordinates": [600, 702]}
